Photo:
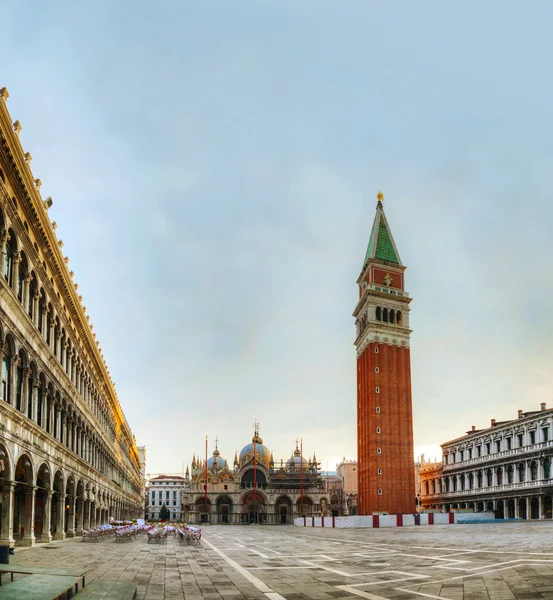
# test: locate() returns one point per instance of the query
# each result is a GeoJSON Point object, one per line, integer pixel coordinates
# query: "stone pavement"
{"type": "Point", "coordinates": [497, 561]}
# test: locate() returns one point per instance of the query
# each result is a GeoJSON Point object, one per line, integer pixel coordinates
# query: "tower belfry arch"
{"type": "Point", "coordinates": [384, 405]}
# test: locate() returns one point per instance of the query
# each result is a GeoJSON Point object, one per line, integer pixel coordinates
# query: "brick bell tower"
{"type": "Point", "coordinates": [384, 409]}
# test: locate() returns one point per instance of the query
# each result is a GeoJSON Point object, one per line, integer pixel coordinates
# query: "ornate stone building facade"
{"type": "Point", "coordinates": [384, 409]}
{"type": "Point", "coordinates": [165, 490]}
{"type": "Point", "coordinates": [505, 468]}
{"type": "Point", "coordinates": [255, 489]}
{"type": "Point", "coordinates": [68, 458]}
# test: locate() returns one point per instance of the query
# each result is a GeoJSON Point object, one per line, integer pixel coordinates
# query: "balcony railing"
{"type": "Point", "coordinates": [504, 487]}
{"type": "Point", "coordinates": [498, 455]}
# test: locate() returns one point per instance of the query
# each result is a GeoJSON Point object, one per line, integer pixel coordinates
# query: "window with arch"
{"type": "Point", "coordinates": [378, 430]}
{"type": "Point", "coordinates": [376, 370]}
{"type": "Point", "coordinates": [376, 349]}
{"type": "Point", "coordinates": [399, 318]}
{"type": "Point", "coordinates": [378, 409]}
{"type": "Point", "coordinates": [378, 313]}
{"type": "Point", "coordinates": [379, 491]}
{"type": "Point", "coordinates": [379, 451]}
{"type": "Point", "coordinates": [392, 316]}
{"type": "Point", "coordinates": [385, 315]}
{"type": "Point", "coordinates": [379, 471]}
{"type": "Point", "coordinates": [30, 384]}
{"type": "Point", "coordinates": [19, 386]}
{"type": "Point", "coordinates": [510, 471]}
{"type": "Point", "coordinates": [11, 250]}
{"type": "Point", "coordinates": [6, 372]}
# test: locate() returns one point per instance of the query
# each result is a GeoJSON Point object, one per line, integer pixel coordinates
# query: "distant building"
{"type": "Point", "coordinates": [347, 472]}
{"type": "Point", "coordinates": [384, 410]}
{"type": "Point", "coordinates": [165, 490]}
{"type": "Point", "coordinates": [256, 488]}
{"type": "Point", "coordinates": [505, 468]}
{"type": "Point", "coordinates": [429, 477]}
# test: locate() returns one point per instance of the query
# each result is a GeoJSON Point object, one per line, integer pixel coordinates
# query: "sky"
{"type": "Point", "coordinates": [214, 169]}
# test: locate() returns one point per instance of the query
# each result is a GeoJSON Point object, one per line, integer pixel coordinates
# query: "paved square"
{"type": "Point", "coordinates": [499, 561]}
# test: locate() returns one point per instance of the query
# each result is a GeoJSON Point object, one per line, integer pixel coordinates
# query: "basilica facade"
{"type": "Point", "coordinates": [254, 489]}
{"type": "Point", "coordinates": [68, 458]}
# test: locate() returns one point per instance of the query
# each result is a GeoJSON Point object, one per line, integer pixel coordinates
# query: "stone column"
{"type": "Point", "coordinates": [52, 338]}
{"type": "Point", "coordinates": [26, 286]}
{"type": "Point", "coordinates": [3, 244]}
{"type": "Point", "coordinates": [35, 300]}
{"type": "Point", "coordinates": [45, 321]}
{"type": "Point", "coordinates": [64, 355]}
{"type": "Point", "coordinates": [7, 514]}
{"type": "Point", "coordinates": [60, 533]}
{"type": "Point", "coordinates": [47, 522]}
{"type": "Point", "coordinates": [29, 534]}
{"type": "Point", "coordinates": [25, 391]}
{"type": "Point", "coordinates": [16, 361]}
{"type": "Point", "coordinates": [80, 515]}
{"type": "Point", "coordinates": [15, 271]}
{"type": "Point", "coordinates": [542, 508]}
{"type": "Point", "coordinates": [517, 514]}
{"type": "Point", "coordinates": [528, 508]}
{"type": "Point", "coordinates": [57, 344]}
{"type": "Point", "coordinates": [71, 517]}
{"type": "Point", "coordinates": [86, 522]}
{"type": "Point", "coordinates": [35, 401]}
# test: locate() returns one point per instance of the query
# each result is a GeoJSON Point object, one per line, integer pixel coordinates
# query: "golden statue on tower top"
{"type": "Point", "coordinates": [380, 196]}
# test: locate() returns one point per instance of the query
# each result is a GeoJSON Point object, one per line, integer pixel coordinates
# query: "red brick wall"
{"type": "Point", "coordinates": [396, 424]}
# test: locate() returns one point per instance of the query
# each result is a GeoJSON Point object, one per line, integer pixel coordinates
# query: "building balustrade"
{"type": "Point", "coordinates": [489, 458]}
{"type": "Point", "coordinates": [519, 485]}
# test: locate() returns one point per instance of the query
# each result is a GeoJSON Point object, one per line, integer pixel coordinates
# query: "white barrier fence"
{"type": "Point", "coordinates": [376, 521]}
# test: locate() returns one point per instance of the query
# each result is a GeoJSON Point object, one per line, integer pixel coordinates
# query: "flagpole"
{"type": "Point", "coordinates": [255, 462]}
{"type": "Point", "coordinates": [301, 474]}
{"type": "Point", "coordinates": [205, 495]}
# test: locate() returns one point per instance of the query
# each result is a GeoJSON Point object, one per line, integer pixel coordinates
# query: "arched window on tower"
{"type": "Point", "coordinates": [378, 313]}
{"type": "Point", "coordinates": [392, 316]}
{"type": "Point", "coordinates": [385, 315]}
{"type": "Point", "coordinates": [399, 318]}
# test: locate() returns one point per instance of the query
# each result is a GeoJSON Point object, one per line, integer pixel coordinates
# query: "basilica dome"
{"type": "Point", "coordinates": [263, 454]}
{"type": "Point", "coordinates": [296, 460]}
{"type": "Point", "coordinates": [216, 461]}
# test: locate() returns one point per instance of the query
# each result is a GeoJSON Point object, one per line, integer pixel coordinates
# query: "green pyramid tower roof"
{"type": "Point", "coordinates": [381, 243]}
